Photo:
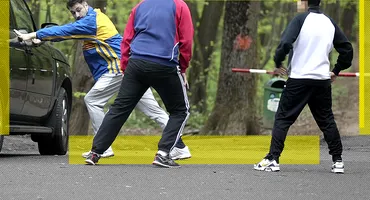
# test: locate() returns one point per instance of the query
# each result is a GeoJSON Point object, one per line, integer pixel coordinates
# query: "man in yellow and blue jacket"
{"type": "Point", "coordinates": [101, 40]}
{"type": "Point", "coordinates": [101, 50]}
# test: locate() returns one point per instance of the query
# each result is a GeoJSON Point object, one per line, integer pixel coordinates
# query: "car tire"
{"type": "Point", "coordinates": [57, 143]}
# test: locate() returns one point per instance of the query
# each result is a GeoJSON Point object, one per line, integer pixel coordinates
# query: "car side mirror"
{"type": "Point", "coordinates": [48, 24]}
{"type": "Point", "coordinates": [12, 35]}
{"type": "Point", "coordinates": [23, 31]}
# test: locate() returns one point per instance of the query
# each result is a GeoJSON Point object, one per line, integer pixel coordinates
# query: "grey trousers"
{"type": "Point", "coordinates": [104, 89]}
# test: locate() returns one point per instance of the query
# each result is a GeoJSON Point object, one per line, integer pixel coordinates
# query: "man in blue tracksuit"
{"type": "Point", "coordinates": [101, 50]}
{"type": "Point", "coordinates": [311, 36]}
{"type": "Point", "coordinates": [155, 52]}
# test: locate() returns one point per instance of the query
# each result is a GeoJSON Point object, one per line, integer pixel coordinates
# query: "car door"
{"type": "Point", "coordinates": [18, 70]}
{"type": "Point", "coordinates": [40, 67]}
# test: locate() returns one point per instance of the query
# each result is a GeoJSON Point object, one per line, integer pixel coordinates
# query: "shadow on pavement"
{"type": "Point", "coordinates": [12, 155]}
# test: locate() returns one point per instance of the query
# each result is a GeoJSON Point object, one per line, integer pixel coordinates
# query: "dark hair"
{"type": "Point", "coordinates": [71, 3]}
{"type": "Point", "coordinates": [313, 2]}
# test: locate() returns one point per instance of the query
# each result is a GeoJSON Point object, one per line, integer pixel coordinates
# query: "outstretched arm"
{"type": "Point", "coordinates": [84, 28]}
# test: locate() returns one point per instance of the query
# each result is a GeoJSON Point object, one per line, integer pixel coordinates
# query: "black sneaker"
{"type": "Point", "coordinates": [164, 161]}
{"type": "Point", "coordinates": [92, 158]}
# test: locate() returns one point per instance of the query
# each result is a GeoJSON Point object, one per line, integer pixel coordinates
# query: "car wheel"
{"type": "Point", "coordinates": [1, 142]}
{"type": "Point", "coordinates": [59, 121]}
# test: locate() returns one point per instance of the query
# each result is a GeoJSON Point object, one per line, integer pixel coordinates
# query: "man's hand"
{"type": "Point", "coordinates": [36, 41]}
{"type": "Point", "coordinates": [281, 71]}
{"type": "Point", "coordinates": [186, 84]}
{"type": "Point", "coordinates": [25, 37]}
{"type": "Point", "coordinates": [333, 76]}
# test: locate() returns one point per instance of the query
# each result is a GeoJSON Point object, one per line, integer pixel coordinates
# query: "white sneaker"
{"type": "Point", "coordinates": [337, 167]}
{"type": "Point", "coordinates": [180, 154]}
{"type": "Point", "coordinates": [108, 153]}
{"type": "Point", "coordinates": [267, 165]}
{"type": "Point", "coordinates": [86, 154]}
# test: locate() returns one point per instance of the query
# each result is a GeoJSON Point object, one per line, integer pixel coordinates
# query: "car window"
{"type": "Point", "coordinates": [12, 24]}
{"type": "Point", "coordinates": [22, 15]}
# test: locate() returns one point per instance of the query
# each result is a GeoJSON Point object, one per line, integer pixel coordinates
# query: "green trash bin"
{"type": "Point", "coordinates": [272, 92]}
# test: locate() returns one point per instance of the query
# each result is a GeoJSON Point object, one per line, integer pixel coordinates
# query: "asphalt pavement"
{"type": "Point", "coordinates": [24, 174]}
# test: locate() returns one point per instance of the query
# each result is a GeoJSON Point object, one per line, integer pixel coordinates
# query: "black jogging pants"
{"type": "Point", "coordinates": [296, 95]}
{"type": "Point", "coordinates": [139, 76]}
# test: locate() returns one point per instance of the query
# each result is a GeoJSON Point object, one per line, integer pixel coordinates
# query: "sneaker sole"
{"type": "Point", "coordinates": [163, 165]}
{"type": "Point", "coordinates": [181, 158]}
{"type": "Point", "coordinates": [89, 162]}
{"type": "Point", "coordinates": [85, 155]}
{"type": "Point", "coordinates": [268, 169]}
{"type": "Point", "coordinates": [107, 156]}
{"type": "Point", "coordinates": [338, 171]}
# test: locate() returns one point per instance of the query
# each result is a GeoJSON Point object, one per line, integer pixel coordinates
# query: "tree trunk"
{"type": "Point", "coordinates": [48, 11]}
{"type": "Point", "coordinates": [101, 4]}
{"type": "Point", "coordinates": [115, 17]}
{"type": "Point", "coordinates": [193, 7]}
{"type": "Point", "coordinates": [269, 40]}
{"type": "Point", "coordinates": [348, 20]}
{"type": "Point", "coordinates": [35, 8]}
{"type": "Point", "coordinates": [235, 110]}
{"type": "Point", "coordinates": [332, 9]}
{"type": "Point", "coordinates": [82, 81]}
{"type": "Point", "coordinates": [292, 10]}
{"type": "Point", "coordinates": [204, 39]}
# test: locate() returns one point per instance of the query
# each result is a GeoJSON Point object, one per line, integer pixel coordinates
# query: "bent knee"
{"type": "Point", "coordinates": [88, 99]}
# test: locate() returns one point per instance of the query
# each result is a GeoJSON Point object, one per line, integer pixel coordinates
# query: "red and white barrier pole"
{"type": "Point", "coordinates": [262, 71]}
